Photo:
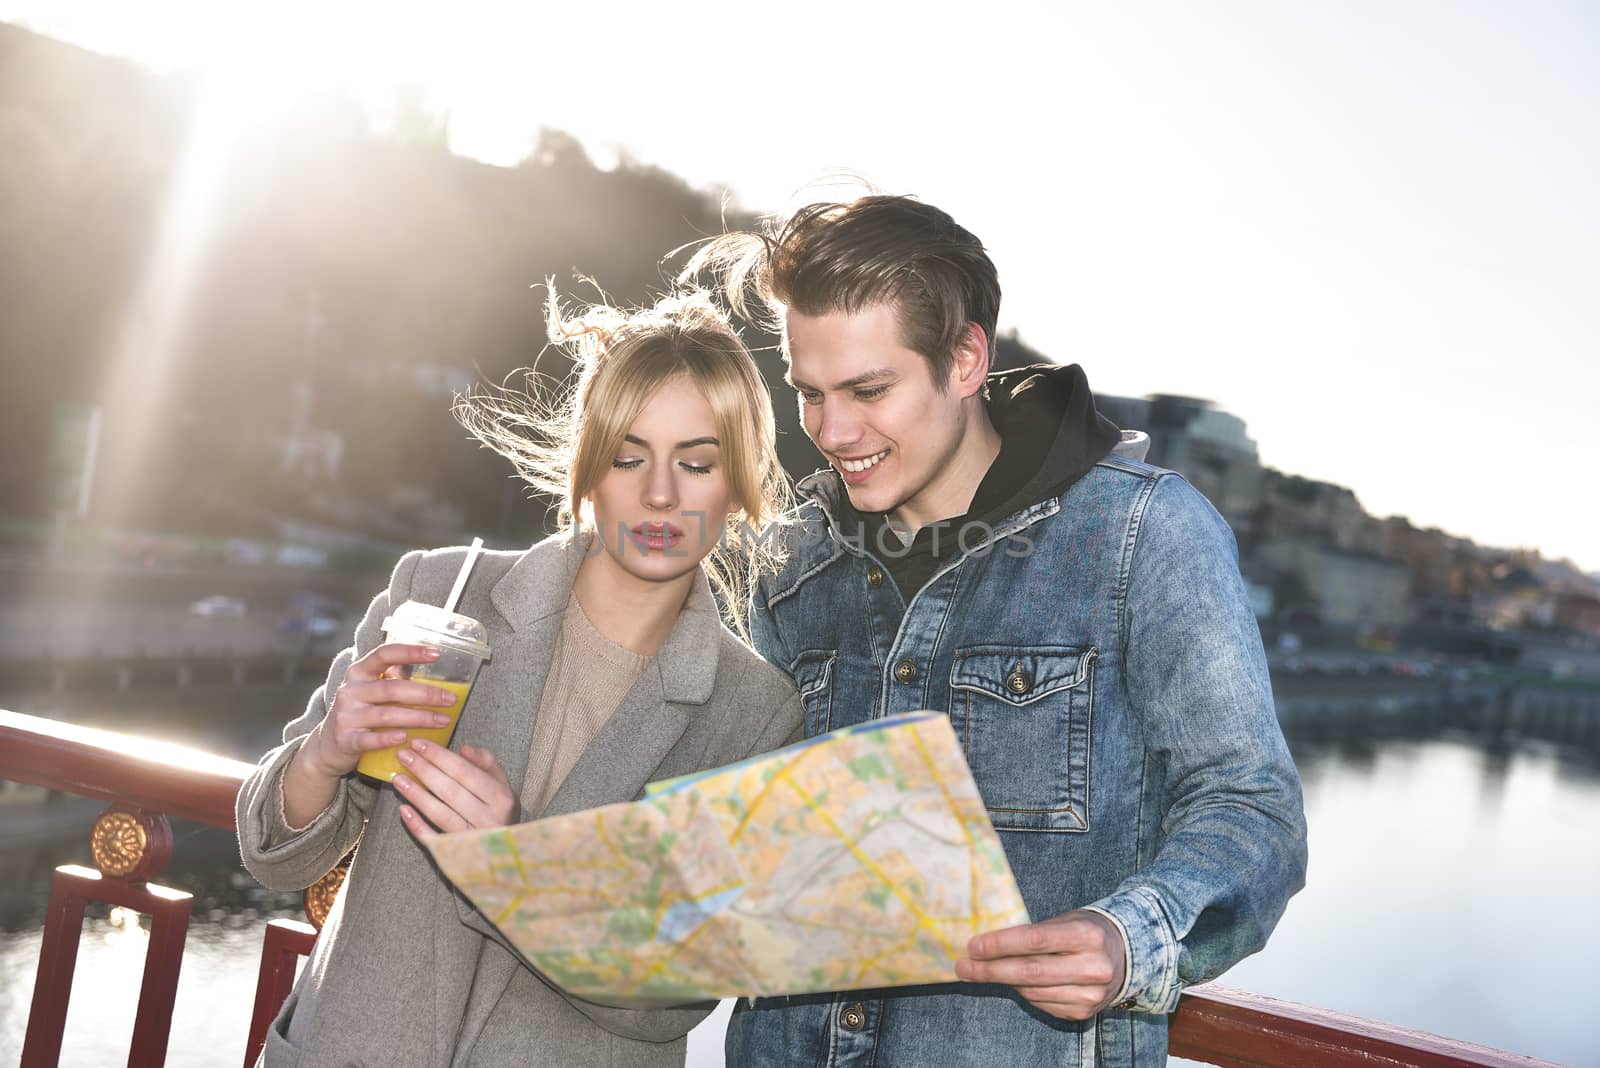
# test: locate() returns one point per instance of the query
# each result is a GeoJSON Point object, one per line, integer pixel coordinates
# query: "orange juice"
{"type": "Point", "coordinates": [381, 764]}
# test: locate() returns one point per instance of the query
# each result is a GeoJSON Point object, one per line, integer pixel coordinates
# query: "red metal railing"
{"type": "Point", "coordinates": [1231, 1028]}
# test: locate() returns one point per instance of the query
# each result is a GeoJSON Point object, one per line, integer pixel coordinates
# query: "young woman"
{"type": "Point", "coordinates": [610, 668]}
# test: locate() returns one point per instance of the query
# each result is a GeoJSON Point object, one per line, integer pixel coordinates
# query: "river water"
{"type": "Point", "coordinates": [1453, 887]}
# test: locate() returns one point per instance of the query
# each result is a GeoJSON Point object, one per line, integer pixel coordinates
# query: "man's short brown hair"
{"type": "Point", "coordinates": [833, 257]}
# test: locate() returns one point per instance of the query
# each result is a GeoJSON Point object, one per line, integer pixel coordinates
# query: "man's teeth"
{"type": "Point", "coordinates": [855, 466]}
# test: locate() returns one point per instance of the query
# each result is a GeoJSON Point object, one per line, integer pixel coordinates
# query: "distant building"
{"type": "Point", "coordinates": [1130, 413]}
{"type": "Point", "coordinates": [1206, 445]}
{"type": "Point", "coordinates": [1434, 557]}
{"type": "Point", "coordinates": [1339, 586]}
{"type": "Point", "coordinates": [1578, 611]}
{"type": "Point", "coordinates": [1295, 507]}
{"type": "Point", "coordinates": [1514, 599]}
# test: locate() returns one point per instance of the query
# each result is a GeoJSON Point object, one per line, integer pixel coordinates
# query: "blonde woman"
{"type": "Point", "coordinates": [611, 668]}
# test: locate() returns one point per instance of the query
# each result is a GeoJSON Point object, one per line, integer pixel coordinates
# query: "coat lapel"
{"type": "Point", "coordinates": [532, 598]}
{"type": "Point", "coordinates": [652, 717]}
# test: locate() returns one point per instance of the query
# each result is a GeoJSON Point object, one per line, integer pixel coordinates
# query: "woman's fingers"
{"type": "Point", "coordinates": [367, 709]}
{"type": "Point", "coordinates": [504, 805]}
{"type": "Point", "coordinates": [372, 666]}
{"type": "Point", "coordinates": [451, 779]}
{"type": "Point", "coordinates": [362, 728]}
{"type": "Point", "coordinates": [399, 703]}
{"type": "Point", "coordinates": [473, 784]}
{"type": "Point", "coordinates": [415, 823]}
{"type": "Point", "coordinates": [486, 762]}
{"type": "Point", "coordinates": [438, 815]}
{"type": "Point", "coordinates": [357, 741]}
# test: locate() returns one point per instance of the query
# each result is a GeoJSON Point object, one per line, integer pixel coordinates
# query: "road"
{"type": "Point", "coordinates": [87, 612]}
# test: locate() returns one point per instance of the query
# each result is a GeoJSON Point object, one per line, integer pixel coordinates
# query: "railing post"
{"type": "Point", "coordinates": [58, 959]}
{"type": "Point", "coordinates": [286, 941]}
{"type": "Point", "coordinates": [169, 929]}
{"type": "Point", "coordinates": [129, 845]}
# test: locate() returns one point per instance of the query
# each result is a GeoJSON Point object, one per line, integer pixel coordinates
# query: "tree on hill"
{"type": "Point", "coordinates": [339, 287]}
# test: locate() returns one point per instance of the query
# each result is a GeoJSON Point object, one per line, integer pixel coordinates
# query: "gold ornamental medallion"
{"type": "Point", "coordinates": [118, 842]}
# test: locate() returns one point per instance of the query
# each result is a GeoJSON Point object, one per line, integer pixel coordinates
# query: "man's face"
{"type": "Point", "coordinates": [870, 404]}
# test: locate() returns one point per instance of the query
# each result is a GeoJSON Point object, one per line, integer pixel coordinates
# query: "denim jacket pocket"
{"type": "Point", "coordinates": [812, 672]}
{"type": "Point", "coordinates": [1023, 715]}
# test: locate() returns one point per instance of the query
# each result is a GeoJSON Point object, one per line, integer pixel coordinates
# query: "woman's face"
{"type": "Point", "coordinates": [663, 504]}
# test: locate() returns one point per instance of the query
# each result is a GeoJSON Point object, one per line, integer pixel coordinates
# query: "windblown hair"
{"type": "Point", "coordinates": [834, 257]}
{"type": "Point", "coordinates": [562, 437]}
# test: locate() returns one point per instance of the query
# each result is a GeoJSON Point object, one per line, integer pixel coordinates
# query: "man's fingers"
{"type": "Point", "coordinates": [390, 654]}
{"type": "Point", "coordinates": [1049, 970]}
{"type": "Point", "coordinates": [1068, 966]}
{"type": "Point", "coordinates": [1066, 1002]}
{"type": "Point", "coordinates": [1035, 938]}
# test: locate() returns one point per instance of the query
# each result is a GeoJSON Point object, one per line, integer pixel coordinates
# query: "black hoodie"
{"type": "Point", "coordinates": [1051, 434]}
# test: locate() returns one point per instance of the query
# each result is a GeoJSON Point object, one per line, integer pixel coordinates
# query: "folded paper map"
{"type": "Point", "coordinates": [859, 858]}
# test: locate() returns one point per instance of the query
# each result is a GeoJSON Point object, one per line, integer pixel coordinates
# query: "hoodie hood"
{"type": "Point", "coordinates": [1051, 436]}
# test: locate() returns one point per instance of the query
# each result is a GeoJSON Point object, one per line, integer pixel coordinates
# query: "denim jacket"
{"type": "Point", "coordinates": [1098, 659]}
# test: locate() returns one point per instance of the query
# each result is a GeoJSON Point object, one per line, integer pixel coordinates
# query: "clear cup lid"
{"type": "Point", "coordinates": [445, 629]}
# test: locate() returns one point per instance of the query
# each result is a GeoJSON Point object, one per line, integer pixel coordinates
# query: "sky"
{"type": "Point", "coordinates": [1371, 230]}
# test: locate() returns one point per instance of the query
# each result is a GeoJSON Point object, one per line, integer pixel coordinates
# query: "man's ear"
{"type": "Point", "coordinates": [971, 365]}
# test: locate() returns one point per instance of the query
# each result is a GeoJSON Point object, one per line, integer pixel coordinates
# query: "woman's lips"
{"type": "Point", "coordinates": [657, 536]}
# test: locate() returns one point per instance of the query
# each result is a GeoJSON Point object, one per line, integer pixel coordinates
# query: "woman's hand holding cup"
{"type": "Point", "coordinates": [370, 709]}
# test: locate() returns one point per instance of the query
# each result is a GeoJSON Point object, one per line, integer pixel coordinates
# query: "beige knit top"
{"type": "Point", "coordinates": [589, 676]}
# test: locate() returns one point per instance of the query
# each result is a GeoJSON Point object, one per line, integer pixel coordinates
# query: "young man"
{"type": "Point", "coordinates": [979, 546]}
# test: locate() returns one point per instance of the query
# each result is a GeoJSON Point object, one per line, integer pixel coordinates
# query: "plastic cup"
{"type": "Point", "coordinates": [463, 647]}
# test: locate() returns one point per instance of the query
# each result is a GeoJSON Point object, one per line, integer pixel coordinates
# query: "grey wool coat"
{"type": "Point", "coordinates": [405, 972]}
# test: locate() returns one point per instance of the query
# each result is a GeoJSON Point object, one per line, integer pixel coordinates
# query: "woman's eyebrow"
{"type": "Point", "coordinates": [691, 443]}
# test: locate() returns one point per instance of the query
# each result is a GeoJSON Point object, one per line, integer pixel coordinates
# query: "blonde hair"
{"type": "Point", "coordinates": [562, 438]}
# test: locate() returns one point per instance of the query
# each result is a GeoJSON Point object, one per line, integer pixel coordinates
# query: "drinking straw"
{"type": "Point", "coordinates": [461, 579]}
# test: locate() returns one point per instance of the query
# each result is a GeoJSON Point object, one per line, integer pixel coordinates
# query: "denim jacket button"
{"type": "Point", "coordinates": [853, 1017]}
{"type": "Point", "coordinates": [874, 576]}
{"type": "Point", "coordinates": [1018, 683]}
{"type": "Point", "coordinates": [906, 670]}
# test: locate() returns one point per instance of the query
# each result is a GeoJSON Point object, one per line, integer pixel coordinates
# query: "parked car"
{"type": "Point", "coordinates": [312, 615]}
{"type": "Point", "coordinates": [218, 605]}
